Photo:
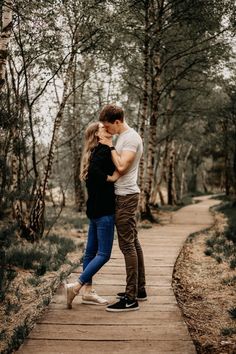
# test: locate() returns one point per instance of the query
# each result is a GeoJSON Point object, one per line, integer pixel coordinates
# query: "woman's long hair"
{"type": "Point", "coordinates": [90, 142]}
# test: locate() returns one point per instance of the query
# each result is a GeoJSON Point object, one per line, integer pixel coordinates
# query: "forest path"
{"type": "Point", "coordinates": [157, 328]}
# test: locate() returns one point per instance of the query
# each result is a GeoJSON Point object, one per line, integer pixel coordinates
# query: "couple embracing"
{"type": "Point", "coordinates": [111, 173]}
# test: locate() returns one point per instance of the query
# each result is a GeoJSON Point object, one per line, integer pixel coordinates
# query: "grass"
{"type": "Point", "coordinates": [34, 281]}
{"type": "Point", "coordinates": [18, 336]}
{"type": "Point", "coordinates": [228, 331]}
{"type": "Point", "coordinates": [69, 218]}
{"type": "Point", "coordinates": [231, 281]}
{"type": "Point", "coordinates": [2, 335]}
{"type": "Point", "coordinates": [45, 255]}
{"type": "Point", "coordinates": [232, 312]}
{"type": "Point", "coordinates": [12, 308]}
{"type": "Point", "coordinates": [222, 244]}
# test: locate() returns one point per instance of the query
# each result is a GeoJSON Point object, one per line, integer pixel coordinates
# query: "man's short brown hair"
{"type": "Point", "coordinates": [110, 113]}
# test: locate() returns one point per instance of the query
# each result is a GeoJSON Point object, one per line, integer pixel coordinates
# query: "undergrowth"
{"type": "Point", "coordinates": [221, 245]}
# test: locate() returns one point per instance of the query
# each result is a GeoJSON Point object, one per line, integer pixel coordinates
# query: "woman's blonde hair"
{"type": "Point", "coordinates": [90, 142]}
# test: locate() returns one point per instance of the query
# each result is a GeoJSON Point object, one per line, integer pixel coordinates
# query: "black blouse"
{"type": "Point", "coordinates": [101, 196]}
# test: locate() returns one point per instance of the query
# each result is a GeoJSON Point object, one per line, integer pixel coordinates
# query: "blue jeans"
{"type": "Point", "coordinates": [99, 246]}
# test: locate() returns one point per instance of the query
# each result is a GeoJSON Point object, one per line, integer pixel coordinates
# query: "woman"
{"type": "Point", "coordinates": [98, 170]}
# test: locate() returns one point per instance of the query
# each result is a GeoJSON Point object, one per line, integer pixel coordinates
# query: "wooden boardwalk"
{"type": "Point", "coordinates": [158, 326]}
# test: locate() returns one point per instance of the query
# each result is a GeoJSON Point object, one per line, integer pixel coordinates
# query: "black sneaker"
{"type": "Point", "coordinates": [142, 295]}
{"type": "Point", "coordinates": [123, 305]}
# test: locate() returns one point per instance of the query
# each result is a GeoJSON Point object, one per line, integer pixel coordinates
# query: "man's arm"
{"type": "Point", "coordinates": [123, 160]}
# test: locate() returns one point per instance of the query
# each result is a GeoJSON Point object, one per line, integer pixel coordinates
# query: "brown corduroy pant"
{"type": "Point", "coordinates": [125, 219]}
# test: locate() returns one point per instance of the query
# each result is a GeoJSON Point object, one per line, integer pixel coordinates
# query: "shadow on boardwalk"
{"type": "Point", "coordinates": [157, 327]}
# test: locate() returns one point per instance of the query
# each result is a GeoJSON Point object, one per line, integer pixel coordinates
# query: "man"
{"type": "Point", "coordinates": [126, 156]}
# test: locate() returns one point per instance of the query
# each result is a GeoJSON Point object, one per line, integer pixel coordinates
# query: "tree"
{"type": "Point", "coordinates": [6, 30]}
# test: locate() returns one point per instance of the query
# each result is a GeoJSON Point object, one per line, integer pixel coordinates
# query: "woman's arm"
{"type": "Point", "coordinates": [114, 177]}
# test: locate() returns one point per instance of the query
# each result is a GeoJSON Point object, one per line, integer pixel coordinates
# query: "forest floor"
{"type": "Point", "coordinates": [205, 288]}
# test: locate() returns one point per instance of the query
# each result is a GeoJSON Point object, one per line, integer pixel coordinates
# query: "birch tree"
{"type": "Point", "coordinates": [6, 30]}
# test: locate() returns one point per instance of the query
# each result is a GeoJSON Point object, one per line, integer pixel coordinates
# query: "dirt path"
{"type": "Point", "coordinates": [158, 326]}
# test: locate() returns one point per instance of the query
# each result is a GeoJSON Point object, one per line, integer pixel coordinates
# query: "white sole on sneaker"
{"type": "Point", "coordinates": [122, 310]}
{"type": "Point", "coordinates": [87, 302]}
{"type": "Point", "coordinates": [142, 299]}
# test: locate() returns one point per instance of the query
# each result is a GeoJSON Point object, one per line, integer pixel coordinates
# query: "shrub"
{"type": "Point", "coordinates": [218, 259]}
{"type": "Point", "coordinates": [228, 331]}
{"type": "Point", "coordinates": [2, 335]}
{"type": "Point", "coordinates": [231, 281]}
{"type": "Point", "coordinates": [208, 252]}
{"type": "Point", "coordinates": [233, 263]}
{"type": "Point", "coordinates": [34, 281]}
{"type": "Point", "coordinates": [231, 234]}
{"type": "Point", "coordinates": [232, 312]}
{"type": "Point", "coordinates": [47, 254]}
{"type": "Point", "coordinates": [210, 242]}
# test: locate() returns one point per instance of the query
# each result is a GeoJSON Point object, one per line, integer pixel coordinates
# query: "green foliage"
{"type": "Point", "coordinates": [11, 274]}
{"type": "Point", "coordinates": [34, 281]}
{"type": "Point", "coordinates": [69, 218]}
{"type": "Point", "coordinates": [231, 234]}
{"type": "Point", "coordinates": [46, 301]}
{"type": "Point", "coordinates": [41, 257]}
{"type": "Point", "coordinates": [2, 335]}
{"type": "Point", "coordinates": [228, 331]}
{"type": "Point", "coordinates": [231, 281]}
{"type": "Point", "coordinates": [28, 256]}
{"type": "Point", "coordinates": [222, 246]}
{"type": "Point", "coordinates": [218, 259]}
{"type": "Point", "coordinates": [20, 333]}
{"type": "Point", "coordinates": [233, 263]}
{"type": "Point", "coordinates": [208, 252]}
{"type": "Point", "coordinates": [46, 255]}
{"type": "Point", "coordinates": [7, 237]}
{"type": "Point", "coordinates": [232, 312]}
{"type": "Point", "coordinates": [12, 308]}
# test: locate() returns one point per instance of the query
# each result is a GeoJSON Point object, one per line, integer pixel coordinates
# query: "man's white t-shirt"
{"type": "Point", "coordinates": [129, 140]}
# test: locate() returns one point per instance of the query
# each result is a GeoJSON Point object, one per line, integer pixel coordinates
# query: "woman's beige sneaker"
{"type": "Point", "coordinates": [92, 298]}
{"type": "Point", "coordinates": [71, 293]}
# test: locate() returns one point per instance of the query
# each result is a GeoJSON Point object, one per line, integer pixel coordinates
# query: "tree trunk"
{"type": "Point", "coordinates": [225, 124]}
{"type": "Point", "coordinates": [155, 68]}
{"type": "Point", "coordinates": [144, 109]}
{"type": "Point", "coordinates": [183, 174]}
{"type": "Point", "coordinates": [171, 190]}
{"type": "Point", "coordinates": [5, 38]}
{"type": "Point", "coordinates": [76, 146]}
{"type": "Point", "coordinates": [234, 168]}
{"type": "Point", "coordinates": [35, 226]}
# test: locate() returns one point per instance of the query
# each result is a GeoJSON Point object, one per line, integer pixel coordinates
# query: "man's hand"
{"type": "Point", "coordinates": [106, 140]}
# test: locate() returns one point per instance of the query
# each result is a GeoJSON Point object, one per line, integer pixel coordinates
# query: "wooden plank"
{"type": "Point", "coordinates": [154, 299]}
{"type": "Point", "coordinates": [111, 269]}
{"type": "Point", "coordinates": [112, 290]}
{"type": "Point", "coordinates": [107, 347]}
{"type": "Point", "coordinates": [167, 330]}
{"type": "Point", "coordinates": [103, 317]}
{"type": "Point", "coordinates": [77, 306]}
